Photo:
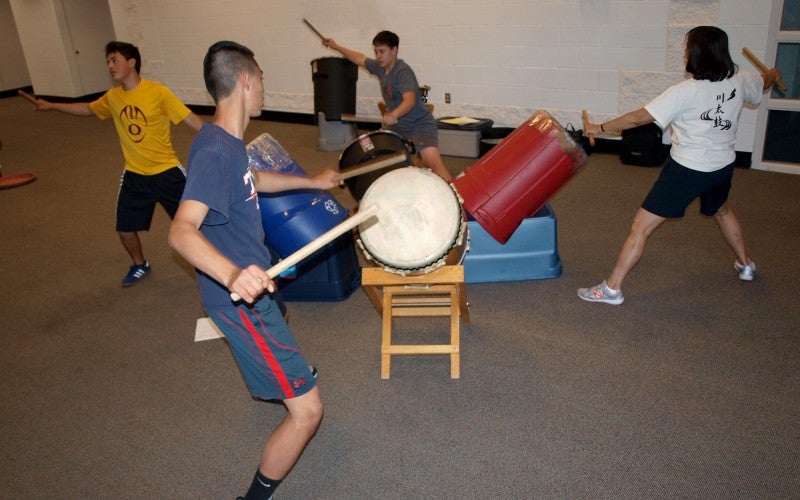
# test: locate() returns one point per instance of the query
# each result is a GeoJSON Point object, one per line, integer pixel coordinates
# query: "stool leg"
{"type": "Point", "coordinates": [455, 335]}
{"type": "Point", "coordinates": [386, 335]}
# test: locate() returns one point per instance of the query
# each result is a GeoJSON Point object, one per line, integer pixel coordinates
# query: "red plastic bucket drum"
{"type": "Point", "coordinates": [519, 175]}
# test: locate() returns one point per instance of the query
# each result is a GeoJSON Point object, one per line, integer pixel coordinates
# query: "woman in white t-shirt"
{"type": "Point", "coordinates": [704, 114]}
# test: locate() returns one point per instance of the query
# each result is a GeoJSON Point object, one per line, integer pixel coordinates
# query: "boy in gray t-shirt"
{"type": "Point", "coordinates": [405, 113]}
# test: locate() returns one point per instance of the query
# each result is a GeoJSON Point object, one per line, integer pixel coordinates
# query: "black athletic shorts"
{"type": "Point", "coordinates": [677, 186]}
{"type": "Point", "coordinates": [138, 195]}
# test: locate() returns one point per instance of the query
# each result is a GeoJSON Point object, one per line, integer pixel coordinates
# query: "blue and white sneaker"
{"type": "Point", "coordinates": [136, 274]}
{"type": "Point", "coordinates": [601, 293]}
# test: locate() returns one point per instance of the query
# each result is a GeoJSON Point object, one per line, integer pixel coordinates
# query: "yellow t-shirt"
{"type": "Point", "coordinates": [142, 117]}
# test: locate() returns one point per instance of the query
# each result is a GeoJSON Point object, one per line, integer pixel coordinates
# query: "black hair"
{"type": "Point", "coordinates": [223, 64]}
{"type": "Point", "coordinates": [128, 51]}
{"type": "Point", "coordinates": [386, 38]}
{"type": "Point", "coordinates": [708, 56]}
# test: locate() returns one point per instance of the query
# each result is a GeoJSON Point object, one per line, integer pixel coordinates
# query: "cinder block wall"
{"type": "Point", "coordinates": [500, 59]}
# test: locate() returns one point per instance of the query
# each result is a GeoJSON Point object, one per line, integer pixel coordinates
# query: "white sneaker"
{"type": "Point", "coordinates": [746, 273]}
{"type": "Point", "coordinates": [601, 293]}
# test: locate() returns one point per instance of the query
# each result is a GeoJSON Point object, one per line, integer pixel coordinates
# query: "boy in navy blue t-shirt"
{"type": "Point", "coordinates": [218, 229]}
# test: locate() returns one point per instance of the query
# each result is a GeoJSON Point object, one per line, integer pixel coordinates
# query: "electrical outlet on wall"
{"type": "Point", "coordinates": [447, 97]}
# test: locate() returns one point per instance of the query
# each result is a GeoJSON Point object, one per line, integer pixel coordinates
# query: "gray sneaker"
{"type": "Point", "coordinates": [601, 293]}
{"type": "Point", "coordinates": [746, 273]}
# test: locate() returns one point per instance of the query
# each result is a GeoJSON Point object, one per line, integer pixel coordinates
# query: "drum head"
{"type": "Point", "coordinates": [419, 222]}
{"type": "Point", "coordinates": [375, 145]}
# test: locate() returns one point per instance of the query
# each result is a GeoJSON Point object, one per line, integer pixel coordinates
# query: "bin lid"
{"type": "Point", "coordinates": [463, 123]}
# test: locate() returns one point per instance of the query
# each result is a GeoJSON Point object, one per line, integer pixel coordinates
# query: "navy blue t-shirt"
{"type": "Point", "coordinates": [219, 176]}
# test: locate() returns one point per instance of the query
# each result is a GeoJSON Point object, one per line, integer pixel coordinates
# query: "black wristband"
{"type": "Point", "coordinates": [601, 128]}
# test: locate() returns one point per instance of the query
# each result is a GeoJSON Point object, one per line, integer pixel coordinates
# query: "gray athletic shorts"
{"type": "Point", "coordinates": [425, 136]}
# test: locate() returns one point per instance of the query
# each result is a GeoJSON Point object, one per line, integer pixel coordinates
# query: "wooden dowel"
{"type": "Point", "coordinates": [321, 37]}
{"type": "Point", "coordinates": [585, 122]}
{"type": "Point", "coordinates": [28, 97]}
{"type": "Point", "coordinates": [362, 216]}
{"type": "Point", "coordinates": [758, 64]}
{"type": "Point", "coordinates": [348, 117]}
{"type": "Point", "coordinates": [370, 167]}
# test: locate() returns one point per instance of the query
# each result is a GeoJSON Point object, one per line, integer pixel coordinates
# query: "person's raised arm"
{"type": "Point", "coordinates": [72, 108]}
{"type": "Point", "coordinates": [627, 121]}
{"type": "Point", "coordinates": [353, 56]}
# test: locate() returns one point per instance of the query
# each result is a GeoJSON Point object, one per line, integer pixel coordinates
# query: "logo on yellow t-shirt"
{"type": "Point", "coordinates": [134, 122]}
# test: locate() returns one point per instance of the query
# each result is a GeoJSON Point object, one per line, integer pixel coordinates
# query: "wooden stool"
{"type": "Point", "coordinates": [440, 293]}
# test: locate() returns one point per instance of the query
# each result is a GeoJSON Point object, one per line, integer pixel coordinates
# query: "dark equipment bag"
{"type": "Point", "coordinates": [577, 136]}
{"type": "Point", "coordinates": [642, 146]}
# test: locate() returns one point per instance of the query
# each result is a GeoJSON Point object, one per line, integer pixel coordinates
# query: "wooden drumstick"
{"type": "Point", "coordinates": [362, 216]}
{"type": "Point", "coordinates": [369, 167]}
{"type": "Point", "coordinates": [320, 35]}
{"type": "Point", "coordinates": [758, 64]}
{"type": "Point", "coordinates": [586, 121]}
{"type": "Point", "coordinates": [28, 97]}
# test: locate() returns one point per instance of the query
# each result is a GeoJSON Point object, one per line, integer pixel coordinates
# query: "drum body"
{"type": "Point", "coordinates": [373, 146]}
{"type": "Point", "coordinates": [519, 175]}
{"type": "Point", "coordinates": [420, 224]}
{"type": "Point", "coordinates": [291, 219]}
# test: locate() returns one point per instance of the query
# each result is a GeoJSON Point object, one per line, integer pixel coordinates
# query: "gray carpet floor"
{"type": "Point", "coordinates": [690, 389]}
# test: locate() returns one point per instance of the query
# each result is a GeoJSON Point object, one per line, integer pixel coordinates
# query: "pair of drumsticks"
{"type": "Point", "coordinates": [753, 59]}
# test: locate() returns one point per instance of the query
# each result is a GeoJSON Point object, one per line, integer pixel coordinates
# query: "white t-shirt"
{"type": "Point", "coordinates": [705, 116]}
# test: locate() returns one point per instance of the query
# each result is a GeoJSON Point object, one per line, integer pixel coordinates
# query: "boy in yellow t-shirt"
{"type": "Point", "coordinates": [142, 111]}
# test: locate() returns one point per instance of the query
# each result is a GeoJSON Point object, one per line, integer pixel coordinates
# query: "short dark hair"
{"type": "Point", "coordinates": [708, 54]}
{"type": "Point", "coordinates": [386, 38]}
{"type": "Point", "coordinates": [223, 64]}
{"type": "Point", "coordinates": [128, 51]}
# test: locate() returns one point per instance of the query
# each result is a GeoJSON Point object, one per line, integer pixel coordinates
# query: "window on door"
{"type": "Point", "coordinates": [778, 124]}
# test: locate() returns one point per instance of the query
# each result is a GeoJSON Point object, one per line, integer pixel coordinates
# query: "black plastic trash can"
{"type": "Point", "coordinates": [334, 87]}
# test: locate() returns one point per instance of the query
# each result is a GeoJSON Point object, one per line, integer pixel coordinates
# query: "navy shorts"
{"type": "Point", "coordinates": [677, 186]}
{"type": "Point", "coordinates": [138, 195]}
{"type": "Point", "coordinates": [265, 350]}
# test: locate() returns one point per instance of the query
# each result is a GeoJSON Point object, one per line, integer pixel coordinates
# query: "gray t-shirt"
{"type": "Point", "coordinates": [400, 79]}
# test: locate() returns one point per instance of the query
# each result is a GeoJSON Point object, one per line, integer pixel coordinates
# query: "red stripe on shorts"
{"type": "Point", "coordinates": [265, 351]}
